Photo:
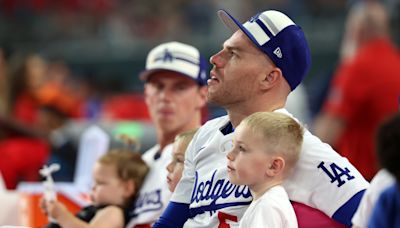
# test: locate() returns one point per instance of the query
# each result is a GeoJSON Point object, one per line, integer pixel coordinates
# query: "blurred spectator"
{"type": "Point", "coordinates": [24, 154]}
{"type": "Point", "coordinates": [63, 150]}
{"type": "Point", "coordinates": [175, 93]}
{"type": "Point", "coordinates": [39, 103]}
{"type": "Point", "coordinates": [387, 208]}
{"type": "Point", "coordinates": [31, 84]}
{"type": "Point", "coordinates": [58, 90]}
{"type": "Point", "coordinates": [381, 181]}
{"type": "Point", "coordinates": [27, 74]}
{"type": "Point", "coordinates": [365, 89]}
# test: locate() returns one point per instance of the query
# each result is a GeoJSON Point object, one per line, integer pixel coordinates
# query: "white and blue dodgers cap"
{"type": "Point", "coordinates": [177, 57]}
{"type": "Point", "coordinates": [279, 38]}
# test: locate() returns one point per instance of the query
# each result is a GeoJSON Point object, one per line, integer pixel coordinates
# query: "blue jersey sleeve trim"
{"type": "Point", "coordinates": [345, 213]}
{"type": "Point", "coordinates": [174, 216]}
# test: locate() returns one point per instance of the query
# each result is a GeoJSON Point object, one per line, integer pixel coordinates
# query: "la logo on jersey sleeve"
{"type": "Point", "coordinates": [336, 173]}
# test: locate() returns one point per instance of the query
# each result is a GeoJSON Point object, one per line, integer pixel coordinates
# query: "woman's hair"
{"type": "Point", "coordinates": [129, 163]}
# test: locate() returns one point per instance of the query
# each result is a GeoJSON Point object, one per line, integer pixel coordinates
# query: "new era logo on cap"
{"type": "Point", "coordinates": [177, 57]}
{"type": "Point", "coordinates": [279, 38]}
{"type": "Point", "coordinates": [278, 52]}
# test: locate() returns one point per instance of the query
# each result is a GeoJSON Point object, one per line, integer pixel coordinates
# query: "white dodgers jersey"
{"type": "Point", "coordinates": [154, 194]}
{"type": "Point", "coordinates": [321, 179]}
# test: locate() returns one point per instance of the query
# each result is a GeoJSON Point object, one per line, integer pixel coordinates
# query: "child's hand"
{"type": "Point", "coordinates": [53, 208]}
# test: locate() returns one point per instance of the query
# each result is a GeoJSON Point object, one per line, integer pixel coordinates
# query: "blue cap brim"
{"type": "Point", "coordinates": [234, 25]}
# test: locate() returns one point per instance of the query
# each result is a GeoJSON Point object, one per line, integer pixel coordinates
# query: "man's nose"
{"type": "Point", "coordinates": [216, 59]}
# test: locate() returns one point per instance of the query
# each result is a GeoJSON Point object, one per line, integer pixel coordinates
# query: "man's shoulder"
{"type": "Point", "coordinates": [217, 122]}
{"type": "Point", "coordinates": [149, 154]}
{"type": "Point", "coordinates": [152, 150]}
{"type": "Point", "coordinates": [214, 124]}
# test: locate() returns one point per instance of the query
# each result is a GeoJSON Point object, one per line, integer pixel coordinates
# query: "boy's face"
{"type": "Point", "coordinates": [175, 167]}
{"type": "Point", "coordinates": [108, 189]}
{"type": "Point", "coordinates": [248, 160]}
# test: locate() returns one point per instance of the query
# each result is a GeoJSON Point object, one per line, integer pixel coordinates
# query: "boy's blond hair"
{"type": "Point", "coordinates": [186, 137]}
{"type": "Point", "coordinates": [283, 134]}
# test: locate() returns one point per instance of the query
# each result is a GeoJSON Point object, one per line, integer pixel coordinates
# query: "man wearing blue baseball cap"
{"type": "Point", "coordinates": [265, 59]}
{"type": "Point", "coordinates": [175, 93]}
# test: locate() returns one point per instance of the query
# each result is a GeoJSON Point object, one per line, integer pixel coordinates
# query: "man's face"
{"type": "Point", "coordinates": [238, 67]}
{"type": "Point", "coordinates": [173, 100]}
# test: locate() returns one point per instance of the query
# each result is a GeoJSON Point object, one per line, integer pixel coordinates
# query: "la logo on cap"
{"type": "Point", "coordinates": [177, 57]}
{"type": "Point", "coordinates": [167, 56]}
{"type": "Point", "coordinates": [278, 52]}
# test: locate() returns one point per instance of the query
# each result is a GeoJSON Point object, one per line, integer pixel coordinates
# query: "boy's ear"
{"type": "Point", "coordinates": [130, 188]}
{"type": "Point", "coordinates": [276, 166]}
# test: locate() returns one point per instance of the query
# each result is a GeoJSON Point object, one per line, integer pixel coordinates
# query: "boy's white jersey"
{"type": "Point", "coordinates": [272, 210]}
{"type": "Point", "coordinates": [321, 179]}
{"type": "Point", "coordinates": [154, 194]}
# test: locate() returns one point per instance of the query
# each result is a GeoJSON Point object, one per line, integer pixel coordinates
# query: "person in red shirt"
{"type": "Point", "coordinates": [365, 88]}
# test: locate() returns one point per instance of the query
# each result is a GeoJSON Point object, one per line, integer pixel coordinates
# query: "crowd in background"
{"type": "Point", "coordinates": [109, 39]}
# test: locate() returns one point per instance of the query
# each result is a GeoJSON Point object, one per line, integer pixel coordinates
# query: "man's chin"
{"type": "Point", "coordinates": [212, 98]}
{"type": "Point", "coordinates": [217, 101]}
{"type": "Point", "coordinates": [165, 120]}
{"type": "Point", "coordinates": [167, 125]}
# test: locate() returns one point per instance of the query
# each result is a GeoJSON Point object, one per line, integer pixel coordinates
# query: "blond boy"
{"type": "Point", "coordinates": [175, 167]}
{"type": "Point", "coordinates": [266, 147]}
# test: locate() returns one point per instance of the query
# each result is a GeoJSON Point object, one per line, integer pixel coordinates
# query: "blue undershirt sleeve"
{"type": "Point", "coordinates": [174, 216]}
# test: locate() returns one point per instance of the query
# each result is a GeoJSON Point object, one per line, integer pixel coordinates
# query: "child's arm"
{"type": "Point", "coordinates": [62, 216]}
{"type": "Point", "coordinates": [110, 216]}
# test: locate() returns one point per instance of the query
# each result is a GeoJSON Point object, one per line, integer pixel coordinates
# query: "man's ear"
{"type": "Point", "coordinates": [275, 167]}
{"type": "Point", "coordinates": [202, 99]}
{"type": "Point", "coordinates": [271, 78]}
